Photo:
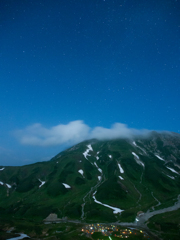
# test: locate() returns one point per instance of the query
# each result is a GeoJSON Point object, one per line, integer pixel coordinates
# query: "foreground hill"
{"type": "Point", "coordinates": [96, 180]}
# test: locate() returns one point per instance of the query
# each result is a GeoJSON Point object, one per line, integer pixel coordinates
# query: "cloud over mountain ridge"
{"type": "Point", "coordinates": [72, 133]}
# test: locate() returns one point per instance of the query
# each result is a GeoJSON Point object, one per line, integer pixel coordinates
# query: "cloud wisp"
{"type": "Point", "coordinates": [72, 133]}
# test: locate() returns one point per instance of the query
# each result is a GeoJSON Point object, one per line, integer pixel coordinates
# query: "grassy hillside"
{"type": "Point", "coordinates": [129, 174]}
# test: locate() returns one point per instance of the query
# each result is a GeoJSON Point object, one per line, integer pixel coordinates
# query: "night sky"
{"type": "Point", "coordinates": [70, 66]}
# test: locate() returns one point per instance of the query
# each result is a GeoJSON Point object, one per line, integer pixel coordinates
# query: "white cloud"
{"type": "Point", "coordinates": [36, 134]}
{"type": "Point", "coordinates": [118, 130]}
{"type": "Point", "coordinates": [71, 133]}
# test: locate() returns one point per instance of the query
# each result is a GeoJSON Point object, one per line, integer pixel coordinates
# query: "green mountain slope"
{"type": "Point", "coordinates": [93, 179]}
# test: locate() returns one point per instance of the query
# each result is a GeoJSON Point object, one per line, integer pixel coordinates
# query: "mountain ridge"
{"type": "Point", "coordinates": [96, 180]}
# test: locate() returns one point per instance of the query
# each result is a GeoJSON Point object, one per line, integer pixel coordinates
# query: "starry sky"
{"type": "Point", "coordinates": [70, 66]}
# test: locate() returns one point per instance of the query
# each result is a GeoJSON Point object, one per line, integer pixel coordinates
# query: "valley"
{"type": "Point", "coordinates": [83, 231]}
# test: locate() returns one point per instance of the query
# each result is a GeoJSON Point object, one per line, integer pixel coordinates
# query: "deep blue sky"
{"type": "Point", "coordinates": [99, 61]}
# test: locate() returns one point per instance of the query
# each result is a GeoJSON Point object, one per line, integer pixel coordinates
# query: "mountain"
{"type": "Point", "coordinates": [105, 181]}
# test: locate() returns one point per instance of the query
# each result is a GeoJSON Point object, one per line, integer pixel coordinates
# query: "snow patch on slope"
{"type": "Point", "coordinates": [90, 147]}
{"type": "Point", "coordinates": [81, 172]}
{"type": "Point", "coordinates": [66, 185]}
{"type": "Point", "coordinates": [159, 157]}
{"type": "Point", "coordinates": [9, 186]}
{"type": "Point", "coordinates": [100, 170]}
{"type": "Point", "coordinates": [2, 169]}
{"type": "Point", "coordinates": [139, 147]}
{"type": "Point", "coordinates": [86, 153]}
{"type": "Point", "coordinates": [172, 170]}
{"type": "Point", "coordinates": [121, 178]}
{"type": "Point", "coordinates": [170, 176]}
{"type": "Point", "coordinates": [22, 236]}
{"type": "Point", "coordinates": [137, 159]}
{"type": "Point", "coordinates": [42, 183]}
{"type": "Point", "coordinates": [115, 210]}
{"type": "Point", "coordinates": [120, 168]}
{"type": "Point", "coordinates": [135, 155]}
